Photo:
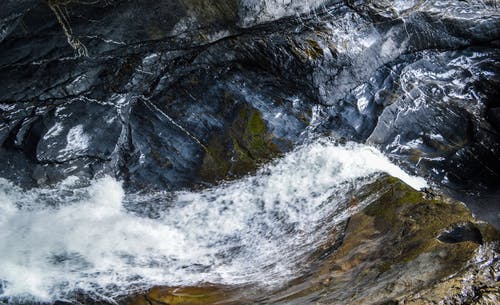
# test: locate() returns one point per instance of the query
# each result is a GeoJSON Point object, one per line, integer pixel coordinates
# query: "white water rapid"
{"type": "Point", "coordinates": [98, 239]}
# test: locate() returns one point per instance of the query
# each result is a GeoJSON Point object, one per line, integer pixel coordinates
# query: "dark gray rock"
{"type": "Point", "coordinates": [437, 121]}
{"type": "Point", "coordinates": [152, 87]}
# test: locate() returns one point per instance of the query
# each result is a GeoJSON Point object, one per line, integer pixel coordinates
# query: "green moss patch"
{"type": "Point", "coordinates": [241, 148]}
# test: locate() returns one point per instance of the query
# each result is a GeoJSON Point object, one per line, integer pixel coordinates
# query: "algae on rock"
{"type": "Point", "coordinates": [241, 148]}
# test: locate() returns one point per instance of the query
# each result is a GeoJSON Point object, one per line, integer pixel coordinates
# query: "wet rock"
{"type": "Point", "coordinates": [346, 69]}
{"type": "Point", "coordinates": [472, 285]}
{"type": "Point", "coordinates": [494, 117]}
{"type": "Point", "coordinates": [101, 26]}
{"type": "Point", "coordinates": [390, 250]}
{"type": "Point", "coordinates": [78, 129]}
{"type": "Point", "coordinates": [183, 93]}
{"type": "Point", "coordinates": [437, 124]}
{"type": "Point", "coordinates": [253, 12]}
{"type": "Point", "coordinates": [169, 158]}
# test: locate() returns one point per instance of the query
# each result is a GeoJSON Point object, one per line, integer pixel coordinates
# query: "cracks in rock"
{"type": "Point", "coordinates": [59, 9]}
{"type": "Point", "coordinates": [110, 41]}
{"type": "Point", "coordinates": [153, 107]}
{"type": "Point", "coordinates": [75, 158]}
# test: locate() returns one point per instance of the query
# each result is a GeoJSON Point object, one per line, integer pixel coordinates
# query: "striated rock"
{"type": "Point", "coordinates": [390, 251]}
{"type": "Point", "coordinates": [332, 70]}
{"type": "Point", "coordinates": [475, 284]}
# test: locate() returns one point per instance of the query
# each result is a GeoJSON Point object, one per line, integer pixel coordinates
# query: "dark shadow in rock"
{"type": "Point", "coordinates": [460, 233]}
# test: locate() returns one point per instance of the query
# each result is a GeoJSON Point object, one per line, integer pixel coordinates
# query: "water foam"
{"type": "Point", "coordinates": [257, 229]}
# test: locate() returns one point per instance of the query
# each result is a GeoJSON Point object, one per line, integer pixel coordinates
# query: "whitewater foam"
{"type": "Point", "coordinates": [99, 240]}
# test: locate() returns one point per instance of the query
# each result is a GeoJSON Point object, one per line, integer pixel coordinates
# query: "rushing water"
{"type": "Point", "coordinates": [100, 240]}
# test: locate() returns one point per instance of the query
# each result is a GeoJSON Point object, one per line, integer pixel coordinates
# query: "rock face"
{"type": "Point", "coordinates": [399, 246]}
{"type": "Point", "coordinates": [166, 84]}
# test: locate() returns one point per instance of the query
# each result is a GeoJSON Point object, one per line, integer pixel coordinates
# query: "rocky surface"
{"type": "Point", "coordinates": [164, 82]}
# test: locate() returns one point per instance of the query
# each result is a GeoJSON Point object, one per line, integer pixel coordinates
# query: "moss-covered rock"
{"type": "Point", "coordinates": [390, 251]}
{"type": "Point", "coordinates": [240, 149]}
